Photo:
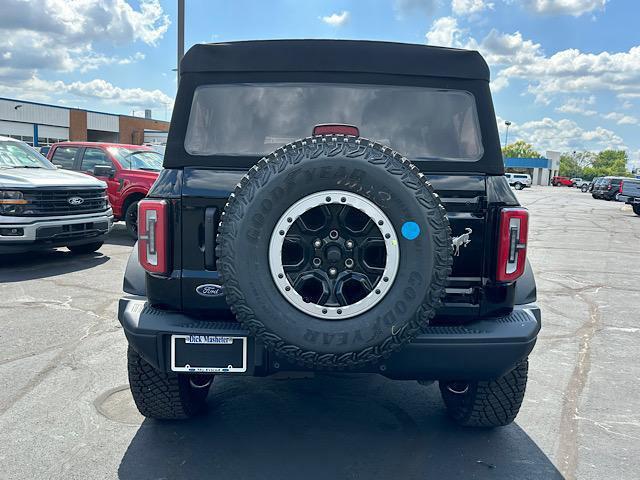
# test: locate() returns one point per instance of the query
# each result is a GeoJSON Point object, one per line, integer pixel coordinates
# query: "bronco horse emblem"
{"type": "Point", "coordinates": [461, 241]}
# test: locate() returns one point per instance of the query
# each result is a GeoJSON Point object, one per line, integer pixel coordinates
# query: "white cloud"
{"type": "Point", "coordinates": [445, 32]}
{"type": "Point", "coordinates": [336, 19]}
{"type": "Point", "coordinates": [572, 71]}
{"type": "Point", "coordinates": [87, 20]}
{"type": "Point", "coordinates": [565, 7]}
{"type": "Point", "coordinates": [621, 118]}
{"type": "Point", "coordinates": [101, 90]}
{"type": "Point", "coordinates": [470, 7]}
{"type": "Point", "coordinates": [59, 35]}
{"type": "Point", "coordinates": [561, 135]}
{"type": "Point", "coordinates": [578, 106]}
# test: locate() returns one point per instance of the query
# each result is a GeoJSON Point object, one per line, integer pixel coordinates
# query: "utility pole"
{"type": "Point", "coordinates": [506, 138]}
{"type": "Point", "coordinates": [180, 35]}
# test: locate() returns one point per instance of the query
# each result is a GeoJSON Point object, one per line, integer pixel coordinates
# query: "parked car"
{"type": "Point", "coordinates": [593, 183]}
{"type": "Point", "coordinates": [559, 181]}
{"type": "Point", "coordinates": [607, 188]}
{"type": "Point", "coordinates": [43, 207]}
{"type": "Point", "coordinates": [128, 170]}
{"type": "Point", "coordinates": [331, 252]}
{"type": "Point", "coordinates": [630, 193]}
{"type": "Point", "coordinates": [44, 150]}
{"type": "Point", "coordinates": [518, 180]}
{"type": "Point", "coordinates": [579, 183]}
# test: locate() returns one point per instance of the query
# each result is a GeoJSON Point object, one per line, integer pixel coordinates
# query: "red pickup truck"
{"type": "Point", "coordinates": [128, 170]}
{"type": "Point", "coordinates": [557, 181]}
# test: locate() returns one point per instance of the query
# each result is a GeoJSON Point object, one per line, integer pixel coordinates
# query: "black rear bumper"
{"type": "Point", "coordinates": [481, 350]}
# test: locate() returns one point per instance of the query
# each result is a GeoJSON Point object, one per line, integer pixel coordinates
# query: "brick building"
{"type": "Point", "coordinates": [41, 124]}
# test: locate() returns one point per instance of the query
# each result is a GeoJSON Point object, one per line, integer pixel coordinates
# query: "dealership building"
{"type": "Point", "coordinates": [542, 170]}
{"type": "Point", "coordinates": [40, 124]}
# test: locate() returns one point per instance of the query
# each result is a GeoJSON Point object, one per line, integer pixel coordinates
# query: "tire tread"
{"type": "Point", "coordinates": [161, 395]}
{"type": "Point", "coordinates": [492, 403]}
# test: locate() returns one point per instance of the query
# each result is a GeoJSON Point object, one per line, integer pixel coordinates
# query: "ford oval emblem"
{"type": "Point", "coordinates": [210, 290]}
{"type": "Point", "coordinates": [75, 201]}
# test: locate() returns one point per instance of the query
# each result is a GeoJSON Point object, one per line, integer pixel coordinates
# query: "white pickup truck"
{"type": "Point", "coordinates": [42, 206]}
{"type": "Point", "coordinates": [630, 193]}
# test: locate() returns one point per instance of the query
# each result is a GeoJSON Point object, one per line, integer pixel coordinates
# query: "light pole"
{"type": "Point", "coordinates": [180, 34]}
{"type": "Point", "coordinates": [506, 137]}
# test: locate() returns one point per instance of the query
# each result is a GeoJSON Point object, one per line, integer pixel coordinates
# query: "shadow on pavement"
{"type": "Point", "coordinates": [119, 236]}
{"type": "Point", "coordinates": [46, 263]}
{"type": "Point", "coordinates": [328, 427]}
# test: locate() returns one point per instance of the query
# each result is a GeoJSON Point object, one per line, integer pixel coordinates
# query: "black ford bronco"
{"type": "Point", "coordinates": [332, 206]}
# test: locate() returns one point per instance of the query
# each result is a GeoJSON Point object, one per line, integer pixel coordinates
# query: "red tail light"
{"type": "Point", "coordinates": [512, 244]}
{"type": "Point", "coordinates": [336, 129]}
{"type": "Point", "coordinates": [620, 187]}
{"type": "Point", "coordinates": [152, 235]}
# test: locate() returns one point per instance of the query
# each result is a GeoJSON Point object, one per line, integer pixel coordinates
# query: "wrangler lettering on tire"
{"type": "Point", "coordinates": [312, 257]}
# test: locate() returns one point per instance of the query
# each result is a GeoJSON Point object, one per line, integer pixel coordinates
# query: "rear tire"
{"type": "Point", "coordinates": [486, 404]}
{"type": "Point", "coordinates": [636, 209]}
{"type": "Point", "coordinates": [163, 395]}
{"type": "Point", "coordinates": [518, 186]}
{"type": "Point", "coordinates": [131, 220]}
{"type": "Point", "coordinates": [584, 188]}
{"type": "Point", "coordinates": [85, 248]}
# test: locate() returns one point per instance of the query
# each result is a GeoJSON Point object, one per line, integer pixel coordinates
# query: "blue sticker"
{"type": "Point", "coordinates": [410, 230]}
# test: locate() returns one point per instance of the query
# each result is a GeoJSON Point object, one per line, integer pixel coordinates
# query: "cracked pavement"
{"type": "Point", "coordinates": [65, 411]}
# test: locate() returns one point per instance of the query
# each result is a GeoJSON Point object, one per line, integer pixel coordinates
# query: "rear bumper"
{"type": "Point", "coordinates": [34, 233]}
{"type": "Point", "coordinates": [628, 199]}
{"type": "Point", "coordinates": [481, 350]}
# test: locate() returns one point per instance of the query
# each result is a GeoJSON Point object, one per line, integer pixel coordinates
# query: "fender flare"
{"type": "Point", "coordinates": [526, 287]}
{"type": "Point", "coordinates": [134, 275]}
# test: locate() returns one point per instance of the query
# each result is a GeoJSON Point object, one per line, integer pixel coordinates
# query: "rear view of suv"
{"type": "Point", "coordinates": [607, 188]}
{"type": "Point", "coordinates": [128, 170]}
{"type": "Point", "coordinates": [313, 214]}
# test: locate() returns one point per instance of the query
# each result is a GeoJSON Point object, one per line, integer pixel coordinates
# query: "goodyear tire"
{"type": "Point", "coordinates": [371, 307]}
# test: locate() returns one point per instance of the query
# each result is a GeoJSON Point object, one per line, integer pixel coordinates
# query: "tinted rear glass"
{"type": "Point", "coordinates": [255, 119]}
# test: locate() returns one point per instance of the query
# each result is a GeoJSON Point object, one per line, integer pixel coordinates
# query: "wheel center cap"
{"type": "Point", "coordinates": [334, 254]}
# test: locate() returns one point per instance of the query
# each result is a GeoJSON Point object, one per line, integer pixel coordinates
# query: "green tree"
{"type": "Point", "coordinates": [520, 149]}
{"type": "Point", "coordinates": [569, 166]}
{"type": "Point", "coordinates": [611, 162]}
{"type": "Point", "coordinates": [576, 164]}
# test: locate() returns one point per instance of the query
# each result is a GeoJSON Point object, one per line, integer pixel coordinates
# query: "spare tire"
{"type": "Point", "coordinates": [334, 251]}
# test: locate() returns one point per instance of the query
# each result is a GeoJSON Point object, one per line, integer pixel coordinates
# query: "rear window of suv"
{"type": "Point", "coordinates": [255, 119]}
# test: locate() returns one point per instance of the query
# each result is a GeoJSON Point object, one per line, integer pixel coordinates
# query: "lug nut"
{"type": "Point", "coordinates": [348, 263]}
{"type": "Point", "coordinates": [333, 272]}
{"type": "Point", "coordinates": [333, 234]}
{"type": "Point", "coordinates": [317, 262]}
{"type": "Point", "coordinates": [317, 243]}
{"type": "Point", "coordinates": [349, 244]}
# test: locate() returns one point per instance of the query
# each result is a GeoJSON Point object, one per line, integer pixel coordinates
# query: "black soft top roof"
{"type": "Point", "coordinates": [335, 56]}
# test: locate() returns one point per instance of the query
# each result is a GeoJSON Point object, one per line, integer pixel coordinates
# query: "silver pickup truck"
{"type": "Point", "coordinates": [630, 193]}
{"type": "Point", "coordinates": [42, 206]}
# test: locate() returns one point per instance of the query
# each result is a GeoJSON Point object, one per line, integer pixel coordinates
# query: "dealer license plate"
{"type": "Point", "coordinates": [208, 354]}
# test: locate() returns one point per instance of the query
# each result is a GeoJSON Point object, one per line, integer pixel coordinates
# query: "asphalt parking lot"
{"type": "Point", "coordinates": [66, 412]}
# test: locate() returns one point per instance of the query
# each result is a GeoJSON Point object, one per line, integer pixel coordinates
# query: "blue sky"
{"type": "Point", "coordinates": [566, 73]}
